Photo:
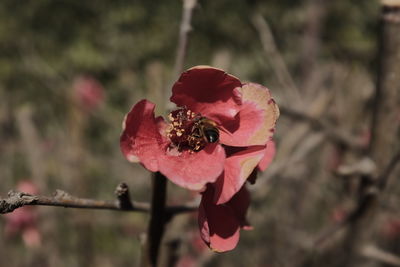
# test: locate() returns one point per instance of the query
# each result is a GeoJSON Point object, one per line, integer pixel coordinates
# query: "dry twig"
{"type": "Point", "coordinates": [339, 137]}
{"type": "Point", "coordinates": [277, 62]}
{"type": "Point", "coordinates": [376, 186]}
{"type": "Point", "coordinates": [378, 254]}
{"type": "Point", "coordinates": [185, 28]}
{"type": "Point", "coordinates": [16, 200]}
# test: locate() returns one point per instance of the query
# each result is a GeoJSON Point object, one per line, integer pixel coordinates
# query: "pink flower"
{"type": "Point", "coordinates": [88, 92]}
{"type": "Point", "coordinates": [23, 221]}
{"type": "Point", "coordinates": [244, 114]}
{"type": "Point", "coordinates": [218, 135]}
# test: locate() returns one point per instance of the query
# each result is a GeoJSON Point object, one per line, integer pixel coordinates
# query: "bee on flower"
{"type": "Point", "coordinates": [220, 132]}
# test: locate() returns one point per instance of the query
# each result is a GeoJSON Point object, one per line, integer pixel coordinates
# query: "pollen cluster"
{"type": "Point", "coordinates": [183, 130]}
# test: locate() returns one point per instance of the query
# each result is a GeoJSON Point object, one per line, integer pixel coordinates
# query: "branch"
{"type": "Point", "coordinates": [384, 132]}
{"type": "Point", "coordinates": [124, 199]}
{"type": "Point", "coordinates": [378, 254]}
{"type": "Point", "coordinates": [384, 177]}
{"type": "Point", "coordinates": [377, 185]}
{"type": "Point", "coordinates": [364, 167]}
{"type": "Point", "coordinates": [339, 137]}
{"type": "Point", "coordinates": [60, 198]}
{"type": "Point", "coordinates": [156, 228]}
{"type": "Point", "coordinates": [185, 28]}
{"type": "Point", "coordinates": [63, 199]}
{"type": "Point", "coordinates": [274, 56]}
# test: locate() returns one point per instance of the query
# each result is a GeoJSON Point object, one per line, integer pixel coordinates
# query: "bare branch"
{"type": "Point", "coordinates": [277, 62]}
{"type": "Point", "coordinates": [365, 166]}
{"type": "Point", "coordinates": [60, 198]}
{"type": "Point", "coordinates": [156, 226]}
{"type": "Point", "coordinates": [384, 134]}
{"type": "Point", "coordinates": [185, 28]}
{"type": "Point", "coordinates": [376, 253]}
{"type": "Point", "coordinates": [337, 136]}
{"type": "Point", "coordinates": [384, 177]}
{"type": "Point", "coordinates": [124, 199]}
{"type": "Point", "coordinates": [376, 186]}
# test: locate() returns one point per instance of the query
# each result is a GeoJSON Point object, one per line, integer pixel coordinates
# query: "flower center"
{"type": "Point", "coordinates": [190, 131]}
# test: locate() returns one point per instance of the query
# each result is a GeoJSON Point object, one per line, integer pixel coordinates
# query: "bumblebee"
{"type": "Point", "coordinates": [205, 130]}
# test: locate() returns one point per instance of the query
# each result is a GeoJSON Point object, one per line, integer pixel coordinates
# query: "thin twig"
{"type": "Point", "coordinates": [384, 128]}
{"type": "Point", "coordinates": [300, 153]}
{"type": "Point", "coordinates": [365, 166]}
{"type": "Point", "coordinates": [376, 186]}
{"type": "Point", "coordinates": [16, 200]}
{"type": "Point", "coordinates": [330, 131]}
{"type": "Point", "coordinates": [378, 254]}
{"type": "Point", "coordinates": [278, 64]}
{"type": "Point", "coordinates": [31, 140]}
{"type": "Point", "coordinates": [185, 28]}
{"type": "Point", "coordinates": [63, 199]}
{"type": "Point", "coordinates": [124, 199]}
{"type": "Point", "coordinates": [384, 177]}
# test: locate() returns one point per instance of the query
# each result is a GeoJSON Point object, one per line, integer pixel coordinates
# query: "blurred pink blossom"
{"type": "Point", "coordinates": [339, 214]}
{"type": "Point", "coordinates": [88, 92]}
{"type": "Point", "coordinates": [391, 228]}
{"type": "Point", "coordinates": [186, 261]}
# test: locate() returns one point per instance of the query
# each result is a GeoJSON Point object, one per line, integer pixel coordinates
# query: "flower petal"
{"type": "Point", "coordinates": [238, 168]}
{"type": "Point", "coordinates": [255, 122]}
{"type": "Point", "coordinates": [239, 203]}
{"type": "Point", "coordinates": [268, 156]}
{"type": "Point", "coordinates": [141, 140]}
{"type": "Point", "coordinates": [209, 91]}
{"type": "Point", "coordinates": [219, 227]}
{"type": "Point", "coordinates": [193, 170]}
{"type": "Point", "coordinates": [264, 163]}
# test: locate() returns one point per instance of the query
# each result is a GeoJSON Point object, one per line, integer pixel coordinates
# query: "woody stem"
{"type": "Point", "coordinates": [157, 220]}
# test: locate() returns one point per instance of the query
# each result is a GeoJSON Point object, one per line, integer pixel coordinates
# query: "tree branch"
{"type": "Point", "coordinates": [292, 93]}
{"type": "Point", "coordinates": [337, 136]}
{"type": "Point", "coordinates": [373, 252]}
{"type": "Point", "coordinates": [156, 228]}
{"type": "Point", "coordinates": [376, 186]}
{"type": "Point", "coordinates": [60, 198]}
{"type": "Point", "coordinates": [124, 199]}
{"type": "Point", "coordinates": [384, 177]}
{"type": "Point", "coordinates": [185, 28]}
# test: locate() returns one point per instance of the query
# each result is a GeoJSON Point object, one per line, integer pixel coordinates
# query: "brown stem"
{"type": "Point", "coordinates": [124, 199]}
{"type": "Point", "coordinates": [185, 28]}
{"type": "Point", "coordinates": [63, 199]}
{"type": "Point", "coordinates": [316, 11]}
{"type": "Point", "coordinates": [331, 132]}
{"type": "Point", "coordinates": [17, 200]}
{"type": "Point", "coordinates": [278, 64]}
{"type": "Point", "coordinates": [384, 177]}
{"type": "Point", "coordinates": [156, 228]}
{"type": "Point", "coordinates": [375, 187]}
{"type": "Point", "coordinates": [384, 146]}
{"type": "Point", "coordinates": [387, 99]}
{"type": "Point", "coordinates": [384, 129]}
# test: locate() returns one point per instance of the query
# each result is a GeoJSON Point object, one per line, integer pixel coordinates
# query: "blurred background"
{"type": "Point", "coordinates": [70, 70]}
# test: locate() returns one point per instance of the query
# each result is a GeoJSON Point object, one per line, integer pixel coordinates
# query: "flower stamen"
{"type": "Point", "coordinates": [186, 130]}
